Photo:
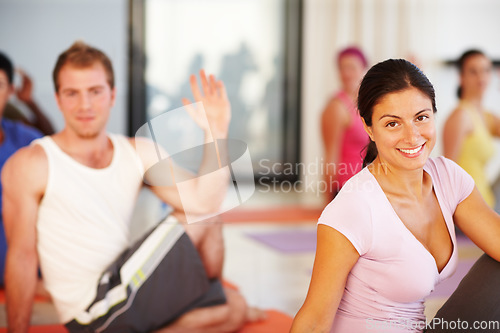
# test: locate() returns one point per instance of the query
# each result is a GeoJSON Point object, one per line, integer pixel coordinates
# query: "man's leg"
{"type": "Point", "coordinates": [164, 278]}
{"type": "Point", "coordinates": [223, 318]}
{"type": "Point", "coordinates": [208, 239]}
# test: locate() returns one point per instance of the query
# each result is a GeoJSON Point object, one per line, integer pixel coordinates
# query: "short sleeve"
{"type": "Point", "coordinates": [347, 215]}
{"type": "Point", "coordinates": [456, 183]}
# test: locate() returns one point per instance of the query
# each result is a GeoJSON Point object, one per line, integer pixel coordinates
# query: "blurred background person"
{"type": "Point", "coordinates": [24, 93]}
{"type": "Point", "coordinates": [341, 127]}
{"type": "Point", "coordinates": [469, 131]}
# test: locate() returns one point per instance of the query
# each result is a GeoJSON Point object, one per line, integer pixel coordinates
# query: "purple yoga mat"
{"type": "Point", "coordinates": [289, 241]}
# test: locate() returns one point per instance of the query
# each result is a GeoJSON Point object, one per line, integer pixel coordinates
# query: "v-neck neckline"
{"type": "Point", "coordinates": [408, 231]}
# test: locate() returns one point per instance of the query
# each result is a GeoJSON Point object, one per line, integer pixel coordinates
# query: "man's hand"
{"type": "Point", "coordinates": [215, 104]}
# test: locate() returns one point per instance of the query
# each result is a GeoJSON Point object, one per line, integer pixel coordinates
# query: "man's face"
{"type": "Point", "coordinates": [6, 89]}
{"type": "Point", "coordinates": [85, 99]}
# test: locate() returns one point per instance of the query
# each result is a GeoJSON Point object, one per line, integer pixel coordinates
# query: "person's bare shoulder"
{"type": "Point", "coordinates": [337, 107]}
{"type": "Point", "coordinates": [27, 169]}
{"type": "Point", "coordinates": [459, 121]}
{"type": "Point", "coordinates": [335, 112]}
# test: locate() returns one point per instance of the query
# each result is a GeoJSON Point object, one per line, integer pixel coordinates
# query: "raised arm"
{"type": "Point", "coordinates": [480, 223]}
{"type": "Point", "coordinates": [25, 94]}
{"type": "Point", "coordinates": [23, 181]}
{"type": "Point", "coordinates": [205, 193]}
{"type": "Point", "coordinates": [335, 257]}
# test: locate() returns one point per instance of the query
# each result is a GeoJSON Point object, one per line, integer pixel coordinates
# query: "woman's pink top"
{"type": "Point", "coordinates": [386, 288]}
{"type": "Point", "coordinates": [353, 142]}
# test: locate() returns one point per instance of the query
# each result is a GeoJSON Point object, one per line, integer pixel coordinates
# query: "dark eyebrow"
{"type": "Point", "coordinates": [397, 117]}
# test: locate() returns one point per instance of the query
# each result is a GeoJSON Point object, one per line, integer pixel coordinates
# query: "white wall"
{"type": "Point", "coordinates": [34, 32]}
{"type": "Point", "coordinates": [432, 30]}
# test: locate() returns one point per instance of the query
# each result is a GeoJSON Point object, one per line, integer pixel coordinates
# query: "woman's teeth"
{"type": "Point", "coordinates": [411, 151]}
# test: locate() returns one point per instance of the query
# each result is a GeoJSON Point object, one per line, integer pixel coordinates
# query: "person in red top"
{"type": "Point", "coordinates": [342, 130]}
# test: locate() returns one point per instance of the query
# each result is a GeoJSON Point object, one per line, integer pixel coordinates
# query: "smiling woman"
{"type": "Point", "coordinates": [376, 88]}
{"type": "Point", "coordinates": [388, 237]}
{"type": "Point", "coordinates": [403, 128]}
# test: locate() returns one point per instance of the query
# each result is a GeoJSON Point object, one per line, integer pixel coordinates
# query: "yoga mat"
{"type": "Point", "coordinates": [289, 241]}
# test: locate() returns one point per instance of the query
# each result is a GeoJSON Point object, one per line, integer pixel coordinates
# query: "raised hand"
{"type": "Point", "coordinates": [25, 91]}
{"type": "Point", "coordinates": [216, 107]}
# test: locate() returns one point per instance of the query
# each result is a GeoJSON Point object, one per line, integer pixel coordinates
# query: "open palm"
{"type": "Point", "coordinates": [214, 107]}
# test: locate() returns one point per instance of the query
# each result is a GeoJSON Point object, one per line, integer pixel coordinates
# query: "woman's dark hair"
{"type": "Point", "coordinates": [461, 62]}
{"type": "Point", "coordinates": [386, 77]}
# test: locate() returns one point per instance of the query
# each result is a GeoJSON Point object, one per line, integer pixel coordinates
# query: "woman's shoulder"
{"type": "Point", "coordinates": [448, 174]}
{"type": "Point", "coordinates": [351, 212]}
{"type": "Point", "coordinates": [359, 192]}
{"type": "Point", "coordinates": [440, 163]}
{"type": "Point", "coordinates": [460, 115]}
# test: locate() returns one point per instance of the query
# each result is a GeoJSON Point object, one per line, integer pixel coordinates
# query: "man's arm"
{"type": "Point", "coordinates": [24, 178]}
{"type": "Point", "coordinates": [205, 193]}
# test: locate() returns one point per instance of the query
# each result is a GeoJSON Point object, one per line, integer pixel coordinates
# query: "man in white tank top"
{"type": "Point", "coordinates": [67, 206]}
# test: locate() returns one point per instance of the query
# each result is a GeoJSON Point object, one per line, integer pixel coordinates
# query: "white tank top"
{"type": "Point", "coordinates": [83, 221]}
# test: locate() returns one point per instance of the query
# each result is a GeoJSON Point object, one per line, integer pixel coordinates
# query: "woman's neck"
{"type": "Point", "coordinates": [392, 180]}
{"type": "Point", "coordinates": [474, 99]}
{"type": "Point", "coordinates": [352, 93]}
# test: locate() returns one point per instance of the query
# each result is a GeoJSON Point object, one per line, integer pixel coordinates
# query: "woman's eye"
{"type": "Point", "coordinates": [391, 124]}
{"type": "Point", "coordinates": [422, 118]}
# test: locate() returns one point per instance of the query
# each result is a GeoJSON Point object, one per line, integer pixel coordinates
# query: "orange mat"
{"type": "Point", "coordinates": [276, 322]}
{"type": "Point", "coordinates": [285, 214]}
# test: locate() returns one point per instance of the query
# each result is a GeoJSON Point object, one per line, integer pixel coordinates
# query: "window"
{"type": "Point", "coordinates": [252, 45]}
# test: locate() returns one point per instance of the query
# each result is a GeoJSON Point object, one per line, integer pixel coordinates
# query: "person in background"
{"type": "Point", "coordinates": [341, 128]}
{"type": "Point", "coordinates": [25, 94]}
{"type": "Point", "coordinates": [388, 237]}
{"type": "Point", "coordinates": [13, 136]}
{"type": "Point", "coordinates": [68, 201]}
{"type": "Point", "coordinates": [469, 131]}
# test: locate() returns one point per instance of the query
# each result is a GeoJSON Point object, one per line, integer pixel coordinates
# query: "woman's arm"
{"type": "Point", "coordinates": [456, 128]}
{"type": "Point", "coordinates": [493, 123]}
{"type": "Point", "coordinates": [480, 223]}
{"type": "Point", "coordinates": [334, 120]}
{"type": "Point", "coordinates": [335, 257]}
